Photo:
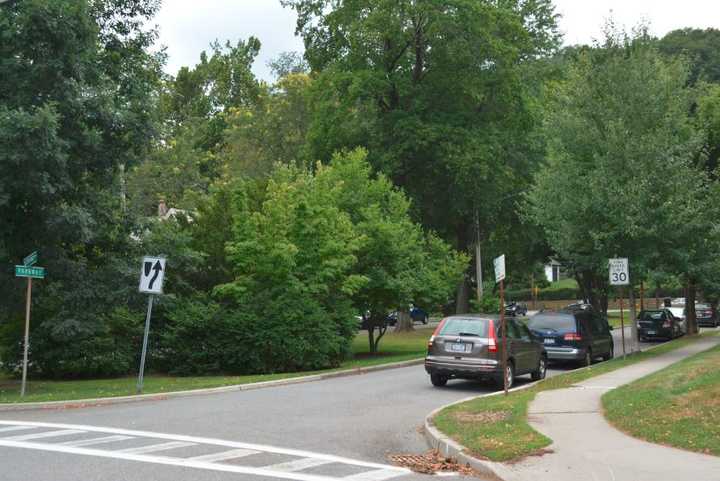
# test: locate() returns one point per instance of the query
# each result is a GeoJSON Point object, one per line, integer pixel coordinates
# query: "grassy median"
{"type": "Point", "coordinates": [678, 406]}
{"type": "Point", "coordinates": [496, 427]}
{"type": "Point", "coordinates": [394, 347]}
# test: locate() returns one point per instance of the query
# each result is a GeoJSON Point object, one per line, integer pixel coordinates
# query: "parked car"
{"type": "Point", "coordinates": [574, 335]}
{"type": "Point", "coordinates": [579, 306]}
{"type": "Point", "coordinates": [468, 347]}
{"type": "Point", "coordinates": [658, 324]}
{"type": "Point", "coordinates": [705, 316]}
{"type": "Point", "coordinates": [515, 309]}
{"type": "Point", "coordinates": [417, 314]}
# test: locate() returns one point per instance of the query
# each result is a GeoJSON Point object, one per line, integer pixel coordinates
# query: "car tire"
{"type": "Point", "coordinates": [541, 370]}
{"type": "Point", "coordinates": [588, 359]}
{"type": "Point", "coordinates": [438, 380]}
{"type": "Point", "coordinates": [610, 354]}
{"type": "Point", "coordinates": [510, 373]}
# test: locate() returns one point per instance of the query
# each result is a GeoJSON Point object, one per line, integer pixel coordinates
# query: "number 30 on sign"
{"type": "Point", "coordinates": [619, 272]}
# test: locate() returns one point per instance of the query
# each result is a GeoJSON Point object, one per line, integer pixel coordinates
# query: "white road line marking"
{"type": "Point", "coordinates": [187, 463]}
{"type": "Point", "coordinates": [212, 441]}
{"type": "Point", "coordinates": [376, 475]}
{"type": "Point", "coordinates": [224, 455]}
{"type": "Point", "coordinates": [43, 435]}
{"type": "Point", "coordinates": [153, 448]}
{"type": "Point", "coordinates": [16, 428]}
{"type": "Point", "coordinates": [297, 465]}
{"type": "Point", "coordinates": [90, 442]}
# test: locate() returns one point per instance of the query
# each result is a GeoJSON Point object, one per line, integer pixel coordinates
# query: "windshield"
{"type": "Point", "coordinates": [555, 323]}
{"type": "Point", "coordinates": [652, 316]}
{"type": "Point", "coordinates": [465, 327]}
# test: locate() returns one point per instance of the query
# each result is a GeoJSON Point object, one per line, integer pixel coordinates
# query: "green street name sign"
{"type": "Point", "coordinates": [31, 260]}
{"type": "Point", "coordinates": [34, 272]}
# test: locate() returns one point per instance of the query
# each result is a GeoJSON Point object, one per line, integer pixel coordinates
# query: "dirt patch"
{"type": "Point", "coordinates": [482, 417]}
{"type": "Point", "coordinates": [431, 462]}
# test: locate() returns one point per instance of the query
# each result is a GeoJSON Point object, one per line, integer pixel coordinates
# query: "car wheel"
{"type": "Point", "coordinates": [510, 374]}
{"type": "Point", "coordinates": [438, 380]}
{"type": "Point", "coordinates": [610, 354]}
{"type": "Point", "coordinates": [588, 359]}
{"type": "Point", "coordinates": [541, 370]}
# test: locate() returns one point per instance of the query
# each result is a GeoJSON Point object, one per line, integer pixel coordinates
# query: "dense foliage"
{"type": "Point", "coordinates": [358, 182]}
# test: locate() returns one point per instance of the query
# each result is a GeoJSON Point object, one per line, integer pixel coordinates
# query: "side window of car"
{"type": "Point", "coordinates": [512, 329]}
{"type": "Point", "coordinates": [599, 325]}
{"type": "Point", "coordinates": [524, 332]}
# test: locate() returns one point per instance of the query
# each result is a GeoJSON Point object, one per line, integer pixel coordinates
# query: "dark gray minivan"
{"type": "Point", "coordinates": [573, 335]}
{"type": "Point", "coordinates": [468, 347]}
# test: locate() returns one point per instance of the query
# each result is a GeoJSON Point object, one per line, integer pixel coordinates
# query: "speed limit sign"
{"type": "Point", "coordinates": [619, 272]}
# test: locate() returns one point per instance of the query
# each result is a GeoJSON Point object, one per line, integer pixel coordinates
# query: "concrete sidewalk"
{"type": "Point", "coordinates": [586, 447]}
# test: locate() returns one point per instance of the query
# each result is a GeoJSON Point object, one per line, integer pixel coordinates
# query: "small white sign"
{"type": "Point", "coordinates": [619, 272]}
{"type": "Point", "coordinates": [500, 268]}
{"type": "Point", "coordinates": [152, 274]}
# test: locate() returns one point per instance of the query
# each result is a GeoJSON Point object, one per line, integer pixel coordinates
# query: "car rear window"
{"type": "Point", "coordinates": [557, 323]}
{"type": "Point", "coordinates": [650, 316]}
{"type": "Point", "coordinates": [472, 327]}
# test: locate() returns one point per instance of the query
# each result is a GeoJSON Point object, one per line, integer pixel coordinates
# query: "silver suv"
{"type": "Point", "coordinates": [468, 347]}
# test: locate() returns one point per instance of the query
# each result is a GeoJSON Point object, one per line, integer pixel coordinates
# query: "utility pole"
{"type": "Point", "coordinates": [478, 258]}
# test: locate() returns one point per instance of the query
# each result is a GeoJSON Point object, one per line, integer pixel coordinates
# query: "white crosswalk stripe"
{"type": "Point", "coordinates": [94, 441]}
{"type": "Point", "coordinates": [16, 428]}
{"type": "Point", "coordinates": [210, 453]}
{"type": "Point", "coordinates": [376, 475]}
{"type": "Point", "coordinates": [297, 465]}
{"type": "Point", "coordinates": [153, 448]}
{"type": "Point", "coordinates": [224, 455]}
{"type": "Point", "coordinates": [43, 435]}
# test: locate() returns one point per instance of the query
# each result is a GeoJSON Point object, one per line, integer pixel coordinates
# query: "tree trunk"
{"type": "Point", "coordinates": [371, 339]}
{"type": "Point", "coordinates": [462, 299]}
{"type": "Point", "coordinates": [690, 318]}
{"type": "Point", "coordinates": [404, 323]}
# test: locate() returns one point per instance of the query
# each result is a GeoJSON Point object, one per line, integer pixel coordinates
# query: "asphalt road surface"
{"type": "Point", "coordinates": [342, 428]}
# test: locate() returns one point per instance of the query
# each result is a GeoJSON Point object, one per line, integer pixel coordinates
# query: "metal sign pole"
{"type": "Point", "coordinates": [27, 337]}
{"type": "Point", "coordinates": [144, 347]}
{"type": "Point", "coordinates": [504, 336]}
{"type": "Point", "coordinates": [622, 321]}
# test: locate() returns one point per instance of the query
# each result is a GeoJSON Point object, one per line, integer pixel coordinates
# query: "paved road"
{"type": "Point", "coordinates": [285, 432]}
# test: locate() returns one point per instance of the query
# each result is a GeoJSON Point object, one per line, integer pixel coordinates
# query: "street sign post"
{"type": "Point", "coordinates": [619, 272]}
{"type": "Point", "coordinates": [499, 264]}
{"type": "Point", "coordinates": [27, 270]}
{"type": "Point", "coordinates": [152, 275]}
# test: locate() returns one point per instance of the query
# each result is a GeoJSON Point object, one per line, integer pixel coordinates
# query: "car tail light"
{"type": "Point", "coordinates": [492, 337]}
{"type": "Point", "coordinates": [667, 324]}
{"type": "Point", "coordinates": [572, 336]}
{"type": "Point", "coordinates": [436, 332]}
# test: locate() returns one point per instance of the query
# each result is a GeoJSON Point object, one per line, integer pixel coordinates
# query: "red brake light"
{"type": "Point", "coordinates": [492, 337]}
{"type": "Point", "coordinates": [572, 336]}
{"type": "Point", "coordinates": [436, 332]}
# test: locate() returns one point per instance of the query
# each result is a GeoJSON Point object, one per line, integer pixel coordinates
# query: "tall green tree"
{"type": "Point", "coordinates": [441, 93]}
{"type": "Point", "coordinates": [621, 178]}
{"type": "Point", "coordinates": [76, 107]}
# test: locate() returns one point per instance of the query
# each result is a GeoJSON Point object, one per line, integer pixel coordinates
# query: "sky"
{"type": "Point", "coordinates": [188, 26]}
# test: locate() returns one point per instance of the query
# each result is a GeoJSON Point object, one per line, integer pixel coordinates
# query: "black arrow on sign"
{"type": "Point", "coordinates": [157, 269]}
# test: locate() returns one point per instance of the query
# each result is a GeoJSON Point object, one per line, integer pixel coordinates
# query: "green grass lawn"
{"type": "Point", "coordinates": [678, 406]}
{"type": "Point", "coordinates": [394, 347]}
{"type": "Point", "coordinates": [614, 319]}
{"type": "Point", "coordinates": [496, 427]}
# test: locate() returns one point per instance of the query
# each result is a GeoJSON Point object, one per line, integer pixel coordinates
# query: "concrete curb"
{"type": "Point", "coordinates": [450, 448]}
{"type": "Point", "coordinates": [83, 403]}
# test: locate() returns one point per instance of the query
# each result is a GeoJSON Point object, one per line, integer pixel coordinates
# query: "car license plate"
{"type": "Point", "coordinates": [457, 347]}
{"type": "Point", "coordinates": [651, 332]}
{"type": "Point", "coordinates": [549, 341]}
